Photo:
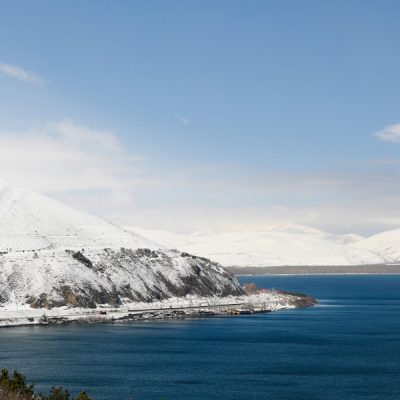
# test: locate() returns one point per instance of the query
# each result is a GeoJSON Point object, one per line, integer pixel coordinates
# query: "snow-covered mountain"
{"type": "Point", "coordinates": [53, 255]}
{"type": "Point", "coordinates": [284, 245]}
{"type": "Point", "coordinates": [386, 244]}
{"type": "Point", "coordinates": [31, 221]}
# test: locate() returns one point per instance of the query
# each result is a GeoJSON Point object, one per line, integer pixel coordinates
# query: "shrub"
{"type": "Point", "coordinates": [57, 393]}
{"type": "Point", "coordinates": [15, 384]}
{"type": "Point", "coordinates": [15, 387]}
{"type": "Point", "coordinates": [82, 396]}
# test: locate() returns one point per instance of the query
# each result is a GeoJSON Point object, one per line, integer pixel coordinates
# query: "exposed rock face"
{"type": "Point", "coordinates": [52, 255]}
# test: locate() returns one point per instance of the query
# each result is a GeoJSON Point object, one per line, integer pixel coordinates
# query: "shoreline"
{"type": "Point", "coordinates": [263, 302]}
{"type": "Point", "coordinates": [319, 274]}
{"type": "Point", "coordinates": [318, 270]}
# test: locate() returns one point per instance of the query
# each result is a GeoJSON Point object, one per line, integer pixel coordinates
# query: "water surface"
{"type": "Point", "coordinates": [346, 348]}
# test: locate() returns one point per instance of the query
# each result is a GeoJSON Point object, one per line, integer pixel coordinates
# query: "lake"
{"type": "Point", "coordinates": [348, 347]}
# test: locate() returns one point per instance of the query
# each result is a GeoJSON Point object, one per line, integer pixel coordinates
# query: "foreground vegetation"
{"type": "Point", "coordinates": [15, 387]}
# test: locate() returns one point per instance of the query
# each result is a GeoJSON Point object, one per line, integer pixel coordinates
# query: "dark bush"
{"type": "Point", "coordinates": [82, 396]}
{"type": "Point", "coordinates": [16, 383]}
{"type": "Point", "coordinates": [57, 393]}
{"type": "Point", "coordinates": [15, 387]}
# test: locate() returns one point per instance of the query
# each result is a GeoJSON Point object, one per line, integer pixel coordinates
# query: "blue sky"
{"type": "Point", "coordinates": [225, 114]}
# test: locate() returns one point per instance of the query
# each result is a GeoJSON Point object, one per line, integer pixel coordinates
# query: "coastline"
{"type": "Point", "coordinates": [318, 270]}
{"type": "Point", "coordinates": [266, 301]}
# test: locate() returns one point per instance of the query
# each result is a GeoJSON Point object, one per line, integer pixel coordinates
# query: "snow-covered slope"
{"type": "Point", "coordinates": [30, 221]}
{"type": "Point", "coordinates": [275, 246]}
{"type": "Point", "coordinates": [386, 244]}
{"type": "Point", "coordinates": [52, 255]}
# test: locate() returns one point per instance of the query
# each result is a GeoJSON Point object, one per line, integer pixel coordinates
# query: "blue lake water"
{"type": "Point", "coordinates": [346, 348]}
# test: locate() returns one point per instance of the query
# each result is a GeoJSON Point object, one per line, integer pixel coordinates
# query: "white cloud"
{"type": "Point", "coordinates": [19, 73]}
{"type": "Point", "coordinates": [78, 134]}
{"type": "Point", "coordinates": [65, 156]}
{"type": "Point", "coordinates": [389, 134]}
{"type": "Point", "coordinates": [183, 120]}
{"type": "Point", "coordinates": [90, 169]}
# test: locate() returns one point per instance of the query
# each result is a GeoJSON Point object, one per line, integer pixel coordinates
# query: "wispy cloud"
{"type": "Point", "coordinates": [91, 169]}
{"type": "Point", "coordinates": [65, 156]}
{"type": "Point", "coordinates": [79, 135]}
{"type": "Point", "coordinates": [389, 134]}
{"type": "Point", "coordinates": [16, 72]}
{"type": "Point", "coordinates": [183, 120]}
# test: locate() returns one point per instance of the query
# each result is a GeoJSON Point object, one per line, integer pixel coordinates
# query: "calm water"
{"type": "Point", "coordinates": [346, 348]}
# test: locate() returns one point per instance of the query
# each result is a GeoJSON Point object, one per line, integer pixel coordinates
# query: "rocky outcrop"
{"type": "Point", "coordinates": [299, 300]}
{"type": "Point", "coordinates": [87, 278]}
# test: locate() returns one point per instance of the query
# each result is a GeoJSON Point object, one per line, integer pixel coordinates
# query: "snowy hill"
{"type": "Point", "coordinates": [281, 245]}
{"type": "Point", "coordinates": [53, 255]}
{"type": "Point", "coordinates": [386, 244]}
{"type": "Point", "coordinates": [30, 221]}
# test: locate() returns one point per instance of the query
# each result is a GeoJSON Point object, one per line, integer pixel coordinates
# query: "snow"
{"type": "Point", "coordinates": [282, 245]}
{"type": "Point", "coordinates": [386, 244]}
{"type": "Point", "coordinates": [50, 252]}
{"type": "Point", "coordinates": [18, 315]}
{"type": "Point", "coordinates": [75, 265]}
{"type": "Point", "coordinates": [31, 221]}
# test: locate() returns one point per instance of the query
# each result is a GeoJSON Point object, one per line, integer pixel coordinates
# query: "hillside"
{"type": "Point", "coordinates": [386, 244]}
{"type": "Point", "coordinates": [53, 255]}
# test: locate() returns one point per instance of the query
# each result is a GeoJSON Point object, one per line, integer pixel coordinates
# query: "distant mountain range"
{"type": "Point", "coordinates": [53, 255]}
{"type": "Point", "coordinates": [284, 245]}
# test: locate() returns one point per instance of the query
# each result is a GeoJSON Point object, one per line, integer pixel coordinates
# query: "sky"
{"type": "Point", "coordinates": [206, 115]}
